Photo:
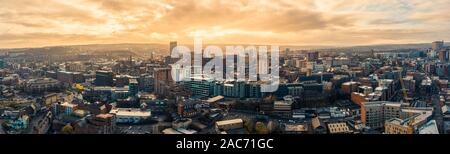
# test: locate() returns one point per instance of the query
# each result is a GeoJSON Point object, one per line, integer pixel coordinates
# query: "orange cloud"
{"type": "Point", "coordinates": [26, 23]}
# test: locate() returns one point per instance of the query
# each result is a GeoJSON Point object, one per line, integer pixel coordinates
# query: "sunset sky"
{"type": "Point", "coordinates": [36, 23]}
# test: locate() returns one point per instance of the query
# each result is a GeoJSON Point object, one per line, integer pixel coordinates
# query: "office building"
{"type": "Point", "coordinates": [437, 45]}
{"type": "Point", "coordinates": [130, 115]}
{"type": "Point", "coordinates": [338, 128]}
{"type": "Point", "coordinates": [162, 80]}
{"type": "Point", "coordinates": [312, 56]}
{"type": "Point", "coordinates": [133, 87]}
{"type": "Point", "coordinates": [229, 124]}
{"type": "Point", "coordinates": [2, 63]}
{"type": "Point", "coordinates": [282, 108]}
{"type": "Point", "coordinates": [42, 85]}
{"type": "Point", "coordinates": [172, 45]}
{"type": "Point", "coordinates": [104, 78]}
{"type": "Point", "coordinates": [398, 126]}
{"type": "Point", "coordinates": [374, 114]}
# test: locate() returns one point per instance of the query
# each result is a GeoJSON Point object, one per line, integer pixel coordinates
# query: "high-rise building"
{"type": "Point", "coordinates": [162, 79]}
{"type": "Point", "coordinates": [443, 55]}
{"type": "Point", "coordinates": [103, 78]}
{"type": "Point", "coordinates": [133, 86]}
{"type": "Point", "coordinates": [437, 45]}
{"type": "Point", "coordinates": [172, 46]}
{"type": "Point", "coordinates": [2, 64]}
{"type": "Point", "coordinates": [312, 56]}
{"type": "Point", "coordinates": [286, 52]}
{"type": "Point", "coordinates": [374, 114]}
{"type": "Point", "coordinates": [69, 78]}
{"type": "Point", "coordinates": [201, 87]}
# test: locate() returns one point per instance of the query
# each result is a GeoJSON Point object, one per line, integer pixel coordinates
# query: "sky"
{"type": "Point", "coordinates": [37, 23]}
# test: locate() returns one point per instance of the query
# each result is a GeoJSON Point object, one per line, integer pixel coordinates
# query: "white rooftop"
{"type": "Point", "coordinates": [130, 112]}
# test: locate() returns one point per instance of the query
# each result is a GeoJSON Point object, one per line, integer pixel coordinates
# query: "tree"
{"type": "Point", "coordinates": [269, 99]}
{"type": "Point", "coordinates": [260, 128]}
{"type": "Point", "coordinates": [271, 126]}
{"type": "Point", "coordinates": [249, 125]}
{"type": "Point", "coordinates": [67, 129]}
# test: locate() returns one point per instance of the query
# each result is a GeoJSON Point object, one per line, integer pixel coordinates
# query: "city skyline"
{"type": "Point", "coordinates": [330, 23]}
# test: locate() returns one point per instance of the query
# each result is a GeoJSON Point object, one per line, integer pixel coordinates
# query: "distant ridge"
{"type": "Point", "coordinates": [122, 46]}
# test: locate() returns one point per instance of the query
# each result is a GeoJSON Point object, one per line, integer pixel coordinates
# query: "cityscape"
{"type": "Point", "coordinates": [80, 83]}
{"type": "Point", "coordinates": [96, 90]}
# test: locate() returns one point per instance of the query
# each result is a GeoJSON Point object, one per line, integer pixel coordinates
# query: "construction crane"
{"type": "Point", "coordinates": [405, 97]}
{"type": "Point", "coordinates": [404, 90]}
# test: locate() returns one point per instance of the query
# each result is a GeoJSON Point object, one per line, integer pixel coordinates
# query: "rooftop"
{"type": "Point", "coordinates": [295, 128]}
{"type": "Point", "coordinates": [429, 128]}
{"type": "Point", "coordinates": [67, 104]}
{"type": "Point", "coordinates": [130, 112]}
{"type": "Point", "coordinates": [228, 122]}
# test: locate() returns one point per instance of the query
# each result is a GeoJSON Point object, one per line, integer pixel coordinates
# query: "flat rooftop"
{"type": "Point", "coordinates": [130, 112]}
{"type": "Point", "coordinates": [228, 122]}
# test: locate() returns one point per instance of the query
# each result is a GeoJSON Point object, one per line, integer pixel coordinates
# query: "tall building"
{"type": "Point", "coordinates": [162, 80]}
{"type": "Point", "coordinates": [133, 86]}
{"type": "Point", "coordinates": [2, 64]}
{"type": "Point", "coordinates": [437, 45]}
{"type": "Point", "coordinates": [41, 85]}
{"type": "Point", "coordinates": [103, 78]}
{"type": "Point", "coordinates": [69, 78]}
{"type": "Point", "coordinates": [374, 114]}
{"type": "Point", "coordinates": [286, 52]}
{"type": "Point", "coordinates": [172, 46]}
{"type": "Point", "coordinates": [398, 126]}
{"type": "Point", "coordinates": [443, 55]}
{"type": "Point", "coordinates": [312, 56]}
{"type": "Point", "coordinates": [200, 87]}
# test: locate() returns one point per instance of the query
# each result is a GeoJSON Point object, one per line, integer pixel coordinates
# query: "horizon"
{"type": "Point", "coordinates": [344, 23]}
{"type": "Point", "coordinates": [226, 44]}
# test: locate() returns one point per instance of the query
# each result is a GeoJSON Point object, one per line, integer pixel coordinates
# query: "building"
{"type": "Point", "coordinates": [282, 108]}
{"type": "Point", "coordinates": [162, 80]}
{"type": "Point", "coordinates": [203, 87]}
{"type": "Point", "coordinates": [50, 99]}
{"type": "Point", "coordinates": [286, 52]}
{"type": "Point", "coordinates": [358, 98]}
{"type": "Point", "coordinates": [104, 78]}
{"type": "Point", "coordinates": [437, 45]}
{"type": "Point", "coordinates": [172, 45]}
{"type": "Point", "coordinates": [122, 80]}
{"type": "Point", "coordinates": [68, 108]}
{"type": "Point", "coordinates": [75, 67]}
{"type": "Point", "coordinates": [69, 78]}
{"type": "Point", "coordinates": [349, 87]}
{"type": "Point", "coordinates": [133, 87]}
{"type": "Point", "coordinates": [338, 128]}
{"type": "Point", "coordinates": [2, 64]}
{"type": "Point", "coordinates": [412, 121]}
{"type": "Point", "coordinates": [398, 126]}
{"type": "Point", "coordinates": [295, 128]}
{"type": "Point", "coordinates": [41, 85]}
{"type": "Point", "coordinates": [130, 115]}
{"type": "Point", "coordinates": [443, 55]}
{"type": "Point", "coordinates": [146, 83]}
{"type": "Point", "coordinates": [313, 56]}
{"type": "Point", "coordinates": [374, 114]}
{"type": "Point", "coordinates": [429, 128]}
{"type": "Point", "coordinates": [234, 89]}
{"type": "Point", "coordinates": [102, 124]}
{"type": "Point", "coordinates": [318, 125]}
{"type": "Point", "coordinates": [229, 124]}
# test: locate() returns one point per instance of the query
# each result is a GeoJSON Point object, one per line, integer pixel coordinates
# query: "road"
{"type": "Point", "coordinates": [437, 113]}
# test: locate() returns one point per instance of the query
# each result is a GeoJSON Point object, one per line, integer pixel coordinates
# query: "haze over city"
{"type": "Point", "coordinates": [307, 22]}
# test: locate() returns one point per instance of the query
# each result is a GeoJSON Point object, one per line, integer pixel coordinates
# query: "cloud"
{"type": "Point", "coordinates": [319, 22]}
